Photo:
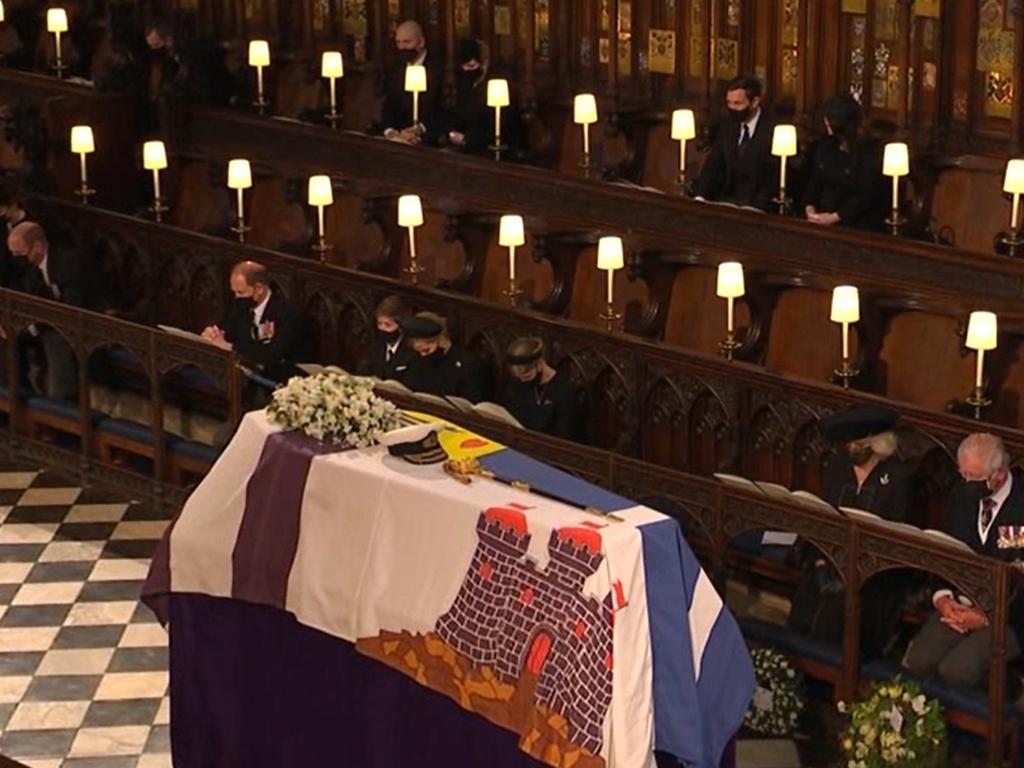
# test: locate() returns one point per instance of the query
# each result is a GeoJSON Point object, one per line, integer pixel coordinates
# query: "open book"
{"type": "Point", "coordinates": [497, 412]}
{"type": "Point", "coordinates": [182, 333]}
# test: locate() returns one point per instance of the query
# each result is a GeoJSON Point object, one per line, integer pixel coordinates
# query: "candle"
{"type": "Point", "coordinates": [729, 326]}
{"type": "Point", "coordinates": [981, 368]}
{"type": "Point", "coordinates": [610, 258]}
{"type": "Point", "coordinates": [846, 341]}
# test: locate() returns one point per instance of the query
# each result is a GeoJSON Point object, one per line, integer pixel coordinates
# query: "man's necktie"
{"type": "Point", "coordinates": [744, 135]}
{"type": "Point", "coordinates": [254, 331]}
{"type": "Point", "coordinates": [988, 507]}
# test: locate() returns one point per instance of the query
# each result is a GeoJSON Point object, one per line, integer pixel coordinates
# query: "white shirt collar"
{"type": "Point", "coordinates": [422, 57]}
{"type": "Point", "coordinates": [44, 268]}
{"type": "Point", "coordinates": [257, 313]}
{"type": "Point", "coordinates": [752, 124]}
{"type": "Point", "coordinates": [999, 497]}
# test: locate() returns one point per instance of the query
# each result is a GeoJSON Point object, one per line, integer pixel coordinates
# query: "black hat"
{"type": "Point", "coordinates": [418, 444]}
{"type": "Point", "coordinates": [468, 50]}
{"type": "Point", "coordinates": [857, 422]}
{"type": "Point", "coordinates": [421, 327]}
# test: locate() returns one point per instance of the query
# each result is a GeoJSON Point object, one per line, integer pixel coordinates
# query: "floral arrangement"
{"type": "Point", "coordinates": [777, 702]}
{"type": "Point", "coordinates": [334, 408]}
{"type": "Point", "coordinates": [895, 726]}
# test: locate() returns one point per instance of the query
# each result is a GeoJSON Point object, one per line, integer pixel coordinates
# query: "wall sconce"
{"type": "Point", "coordinates": [416, 83]}
{"type": "Point", "coordinates": [56, 23]}
{"type": "Point", "coordinates": [684, 128]}
{"type": "Point", "coordinates": [240, 179]}
{"type": "Point", "coordinates": [332, 67]}
{"type": "Point", "coordinates": [845, 310]}
{"type": "Point", "coordinates": [783, 146]}
{"type": "Point", "coordinates": [982, 336]}
{"type": "Point", "coordinates": [154, 158]}
{"type": "Point", "coordinates": [610, 258]}
{"type": "Point", "coordinates": [511, 234]}
{"type": "Point", "coordinates": [410, 216]}
{"type": "Point", "coordinates": [584, 113]}
{"type": "Point", "coordinates": [1013, 184]}
{"type": "Point", "coordinates": [730, 287]}
{"type": "Point", "coordinates": [321, 194]}
{"type": "Point", "coordinates": [82, 144]}
{"type": "Point", "coordinates": [259, 57]}
{"type": "Point", "coordinates": [497, 97]}
{"type": "Point", "coordinates": [896, 163]}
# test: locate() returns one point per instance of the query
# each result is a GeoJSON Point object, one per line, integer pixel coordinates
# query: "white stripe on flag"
{"type": "Point", "coordinates": [704, 612]}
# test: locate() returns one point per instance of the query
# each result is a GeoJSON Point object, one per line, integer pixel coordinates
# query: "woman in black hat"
{"type": "Point", "coordinates": [439, 367]}
{"type": "Point", "coordinates": [541, 398]}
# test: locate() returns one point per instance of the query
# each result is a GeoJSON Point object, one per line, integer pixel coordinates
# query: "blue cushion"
{"type": "Point", "coordinates": [971, 701]}
{"type": "Point", "coordinates": [123, 358]}
{"type": "Point", "coordinates": [58, 408]}
{"type": "Point", "coordinates": [195, 378]}
{"type": "Point", "coordinates": [134, 431]}
{"type": "Point", "coordinates": [787, 641]}
{"type": "Point", "coordinates": [198, 451]}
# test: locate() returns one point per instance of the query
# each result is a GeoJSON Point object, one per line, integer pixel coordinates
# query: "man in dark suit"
{"type": "Point", "coordinates": [396, 119]}
{"type": "Point", "coordinates": [12, 213]}
{"type": "Point", "coordinates": [983, 512]}
{"type": "Point", "coordinates": [741, 168]}
{"type": "Point", "coordinates": [260, 325]}
{"type": "Point", "coordinates": [439, 367]}
{"type": "Point", "coordinates": [388, 356]}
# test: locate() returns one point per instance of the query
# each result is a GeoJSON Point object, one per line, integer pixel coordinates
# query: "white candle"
{"type": "Point", "coordinates": [782, 176]}
{"type": "Point", "coordinates": [412, 243]}
{"type": "Point", "coordinates": [1015, 213]}
{"type": "Point", "coordinates": [895, 193]}
{"type": "Point", "coordinates": [259, 82]}
{"type": "Point", "coordinates": [682, 154]}
{"type": "Point", "coordinates": [84, 174]}
{"type": "Point", "coordinates": [334, 95]}
{"type": "Point", "coordinates": [586, 138]}
{"type": "Point", "coordinates": [320, 220]}
{"type": "Point", "coordinates": [415, 107]}
{"type": "Point", "coordinates": [846, 341]}
{"type": "Point", "coordinates": [511, 262]}
{"type": "Point", "coordinates": [241, 204]}
{"type": "Point", "coordinates": [497, 126]}
{"type": "Point", "coordinates": [981, 366]}
{"type": "Point", "coordinates": [611, 286]}
{"type": "Point", "coordinates": [730, 323]}
{"type": "Point", "coordinates": [156, 184]}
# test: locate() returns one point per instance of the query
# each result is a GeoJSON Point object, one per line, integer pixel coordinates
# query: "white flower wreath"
{"type": "Point", "coordinates": [778, 698]}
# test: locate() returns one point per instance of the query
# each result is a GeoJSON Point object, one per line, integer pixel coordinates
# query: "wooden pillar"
{"type": "Point", "coordinates": [710, 31]}
{"type": "Point", "coordinates": [1017, 115]}
{"type": "Point", "coordinates": [612, 88]}
{"type": "Point", "coordinates": [378, 29]}
{"type": "Point", "coordinates": [903, 104]}
{"type": "Point", "coordinates": [806, 45]}
{"type": "Point", "coordinates": [529, 54]}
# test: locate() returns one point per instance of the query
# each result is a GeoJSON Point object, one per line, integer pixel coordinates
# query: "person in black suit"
{"type": "Point", "coordinates": [846, 186]}
{"type": "Point", "coordinates": [866, 473]}
{"type": "Point", "coordinates": [389, 356]}
{"type": "Point", "coordinates": [741, 169]}
{"type": "Point", "coordinates": [260, 325]}
{"type": "Point", "coordinates": [439, 367]}
{"type": "Point", "coordinates": [540, 398]}
{"type": "Point", "coordinates": [984, 512]}
{"type": "Point", "coordinates": [396, 120]}
{"type": "Point", "coordinates": [12, 213]}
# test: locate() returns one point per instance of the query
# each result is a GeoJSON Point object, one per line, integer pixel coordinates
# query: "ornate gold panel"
{"type": "Point", "coordinates": [354, 18]}
{"type": "Point", "coordinates": [661, 51]}
{"type": "Point", "coordinates": [463, 25]}
{"type": "Point", "coordinates": [727, 58]}
{"type": "Point", "coordinates": [502, 20]}
{"type": "Point", "coordinates": [542, 28]}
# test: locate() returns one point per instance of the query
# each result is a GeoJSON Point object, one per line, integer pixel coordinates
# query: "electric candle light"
{"type": "Point", "coordinates": [2, 16]}
{"type": "Point", "coordinates": [982, 336]}
{"type": "Point", "coordinates": [332, 67]}
{"type": "Point", "coordinates": [497, 97]}
{"type": "Point", "coordinates": [895, 163]}
{"type": "Point", "coordinates": [321, 194]}
{"type": "Point", "coordinates": [259, 57]}
{"type": "Point", "coordinates": [1013, 184]}
{"type": "Point", "coordinates": [730, 286]}
{"type": "Point", "coordinates": [584, 113]}
{"type": "Point", "coordinates": [684, 128]}
{"type": "Point", "coordinates": [416, 83]}
{"type": "Point", "coordinates": [56, 23]}
{"type": "Point", "coordinates": [783, 146]}
{"type": "Point", "coordinates": [845, 310]}
{"type": "Point", "coordinates": [610, 258]}
{"type": "Point", "coordinates": [410, 216]}
{"type": "Point", "coordinates": [154, 158]}
{"type": "Point", "coordinates": [240, 179]}
{"type": "Point", "coordinates": [82, 144]}
{"type": "Point", "coordinates": [511, 234]}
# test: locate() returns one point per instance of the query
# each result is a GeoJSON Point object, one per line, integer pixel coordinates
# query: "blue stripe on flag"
{"type": "Point", "coordinates": [693, 720]}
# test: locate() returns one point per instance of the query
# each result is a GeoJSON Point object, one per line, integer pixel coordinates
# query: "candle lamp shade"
{"type": "Point", "coordinates": [610, 254]}
{"type": "Point", "coordinates": [239, 174]}
{"type": "Point", "coordinates": [982, 331]}
{"type": "Point", "coordinates": [415, 78]}
{"type": "Point", "coordinates": [896, 160]}
{"type": "Point", "coordinates": [82, 141]}
{"type": "Point", "coordinates": [730, 280]}
{"type": "Point", "coordinates": [511, 231]}
{"type": "Point", "coordinates": [497, 93]}
{"type": "Point", "coordinates": [2, 13]}
{"type": "Point", "coordinates": [584, 109]}
{"type": "Point", "coordinates": [332, 66]}
{"type": "Point", "coordinates": [259, 53]}
{"type": "Point", "coordinates": [56, 20]}
{"type": "Point", "coordinates": [410, 211]}
{"type": "Point", "coordinates": [321, 192]}
{"type": "Point", "coordinates": [784, 141]}
{"type": "Point", "coordinates": [845, 304]}
{"type": "Point", "coordinates": [154, 156]}
{"type": "Point", "coordinates": [1013, 182]}
{"type": "Point", "coordinates": [684, 126]}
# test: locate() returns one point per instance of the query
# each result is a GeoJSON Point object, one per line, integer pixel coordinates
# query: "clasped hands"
{"type": "Point", "coordinates": [958, 617]}
{"type": "Point", "coordinates": [215, 335]}
{"type": "Point", "coordinates": [820, 218]}
{"type": "Point", "coordinates": [411, 135]}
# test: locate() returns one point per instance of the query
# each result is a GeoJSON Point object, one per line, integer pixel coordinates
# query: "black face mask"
{"type": "Point", "coordinates": [407, 56]}
{"type": "Point", "coordinates": [739, 115]}
{"type": "Point", "coordinates": [245, 303]}
{"type": "Point", "coordinates": [390, 336]}
{"type": "Point", "coordinates": [976, 490]}
{"type": "Point", "coordinates": [861, 456]}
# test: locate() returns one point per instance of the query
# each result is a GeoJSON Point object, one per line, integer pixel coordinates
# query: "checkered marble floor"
{"type": "Point", "coordinates": [83, 664]}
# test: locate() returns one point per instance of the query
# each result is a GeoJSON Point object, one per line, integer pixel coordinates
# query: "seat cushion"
{"type": "Point", "coordinates": [188, 449]}
{"type": "Point", "coordinates": [58, 408]}
{"type": "Point", "coordinates": [787, 641]}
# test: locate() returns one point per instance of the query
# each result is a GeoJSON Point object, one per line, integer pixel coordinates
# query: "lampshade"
{"type": "Point", "coordinates": [410, 211]}
{"type": "Point", "coordinates": [896, 161]}
{"type": "Point", "coordinates": [320, 191]}
{"type": "Point", "coordinates": [684, 127]}
{"type": "Point", "coordinates": [845, 304]}
{"type": "Point", "coordinates": [56, 20]}
{"type": "Point", "coordinates": [981, 331]}
{"type": "Point", "coordinates": [331, 65]}
{"type": "Point", "coordinates": [511, 231]}
{"type": "Point", "coordinates": [2, 17]}
{"type": "Point", "coordinates": [497, 93]}
{"type": "Point", "coordinates": [1014, 179]}
{"type": "Point", "coordinates": [730, 280]}
{"type": "Point", "coordinates": [416, 78]}
{"type": "Point", "coordinates": [584, 109]}
{"type": "Point", "coordinates": [784, 141]}
{"type": "Point", "coordinates": [239, 174]}
{"type": "Point", "coordinates": [82, 140]}
{"type": "Point", "coordinates": [154, 156]}
{"type": "Point", "coordinates": [609, 253]}
{"type": "Point", "coordinates": [259, 53]}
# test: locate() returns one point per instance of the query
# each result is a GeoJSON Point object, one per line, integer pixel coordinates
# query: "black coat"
{"type": "Point", "coordinates": [471, 116]}
{"type": "Point", "coordinates": [377, 363]}
{"type": "Point", "coordinates": [887, 490]}
{"type": "Point", "coordinates": [745, 175]}
{"type": "Point", "coordinates": [455, 373]}
{"type": "Point", "coordinates": [552, 409]}
{"type": "Point", "coordinates": [274, 358]}
{"type": "Point", "coordinates": [848, 183]}
{"type": "Point", "coordinates": [396, 110]}
{"type": "Point", "coordinates": [67, 272]}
